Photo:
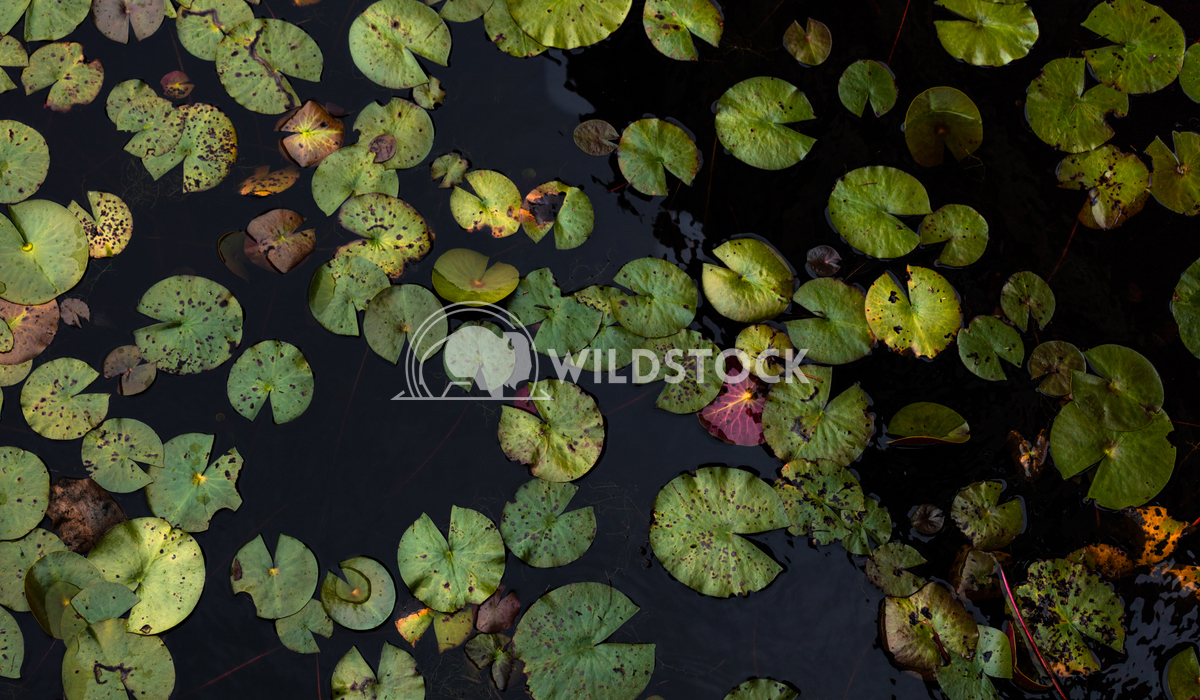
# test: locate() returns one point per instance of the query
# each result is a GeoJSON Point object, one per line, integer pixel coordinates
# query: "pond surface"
{"type": "Point", "coordinates": [356, 468]}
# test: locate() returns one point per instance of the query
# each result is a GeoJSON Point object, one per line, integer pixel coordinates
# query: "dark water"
{"type": "Point", "coordinates": [356, 469]}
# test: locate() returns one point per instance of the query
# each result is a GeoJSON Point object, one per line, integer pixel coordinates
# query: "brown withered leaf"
{"type": "Point", "coordinates": [384, 147]}
{"type": "Point", "coordinates": [177, 85]}
{"type": "Point", "coordinates": [497, 614]}
{"type": "Point", "coordinates": [315, 133]}
{"type": "Point", "coordinates": [973, 574]}
{"type": "Point", "coordinates": [74, 311]}
{"type": "Point", "coordinates": [32, 328]}
{"type": "Point", "coordinates": [928, 519]}
{"type": "Point", "coordinates": [82, 512]}
{"type": "Point", "coordinates": [272, 241]}
{"type": "Point", "coordinates": [596, 137]}
{"type": "Point", "coordinates": [1104, 559]}
{"type": "Point", "coordinates": [127, 363]}
{"type": "Point", "coordinates": [265, 181]}
{"type": "Point", "coordinates": [823, 261]}
{"type": "Point", "coordinates": [1028, 457]}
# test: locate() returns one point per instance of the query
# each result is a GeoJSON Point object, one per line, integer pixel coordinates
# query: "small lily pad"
{"type": "Point", "coordinates": [648, 146]}
{"type": "Point", "coordinates": [973, 574]}
{"type": "Point", "coordinates": [453, 629]}
{"type": "Point", "coordinates": [207, 147]}
{"type": "Point", "coordinates": [864, 81]}
{"type": "Point", "coordinates": [567, 325]}
{"type": "Point", "coordinates": [537, 529]}
{"type": "Point", "coordinates": [315, 134]}
{"type": "Point", "coordinates": [763, 350]}
{"type": "Point", "coordinates": [254, 57]}
{"type": "Point", "coordinates": [156, 124]}
{"type": "Point", "coordinates": [839, 332]}
{"type": "Point", "coordinates": [385, 37]}
{"type": "Point", "coordinates": [281, 585]}
{"type": "Point", "coordinates": [801, 421]}
{"type": "Point", "coordinates": [186, 490]}
{"type": "Point", "coordinates": [559, 207]}
{"type": "Point", "coordinates": [24, 492]}
{"type": "Point", "coordinates": [31, 329]}
{"type": "Point", "coordinates": [964, 228]}
{"type": "Point", "coordinates": [364, 600]}
{"type": "Point", "coordinates": [666, 298]}
{"type": "Point", "coordinates": [61, 68]}
{"type": "Point", "coordinates": [492, 650]}
{"type": "Point", "coordinates": [1126, 392]}
{"type": "Point", "coordinates": [671, 23]}
{"type": "Point", "coordinates": [814, 494]}
{"type": "Point", "coordinates": [127, 363]}
{"type": "Point", "coordinates": [762, 689]}
{"type": "Point", "coordinates": [408, 123]}
{"type": "Point", "coordinates": [1066, 117]}
{"type": "Point", "coordinates": [51, 582]}
{"type": "Point", "coordinates": [111, 453]}
{"type": "Point", "coordinates": [341, 288]}
{"type": "Point", "coordinates": [27, 157]}
{"type": "Point", "coordinates": [200, 322]}
{"type": "Point", "coordinates": [888, 569]}
{"type": "Point", "coordinates": [596, 137]}
{"type": "Point", "coordinates": [431, 95]}
{"type": "Point", "coordinates": [414, 625]}
{"type": "Point", "coordinates": [864, 205]}
{"type": "Point", "coordinates": [735, 416]}
{"type": "Point", "coordinates": [756, 285]}
{"type": "Point", "coordinates": [985, 521]}
{"type": "Point", "coordinates": [1183, 675]}
{"type": "Point", "coordinates": [348, 172]}
{"type": "Point", "coordinates": [990, 33]}
{"type": "Point", "coordinates": [917, 629]}
{"type": "Point", "coordinates": [1055, 360]}
{"type": "Point", "coordinates": [296, 630]}
{"type": "Point", "coordinates": [109, 227]}
{"type": "Point", "coordinates": [1025, 296]}
{"type": "Point", "coordinates": [273, 238]}
{"type": "Point", "coordinates": [866, 528]}
{"type": "Point", "coordinates": [563, 441]}
{"type": "Point", "coordinates": [1176, 182]}
{"type": "Point", "coordinates": [940, 119]}
{"type": "Point", "coordinates": [53, 403]}
{"type": "Point", "coordinates": [176, 84]}
{"type": "Point", "coordinates": [925, 423]}
{"type": "Point", "coordinates": [43, 252]}
{"type": "Point", "coordinates": [569, 26]}
{"type": "Point", "coordinates": [271, 369]}
{"type": "Point", "coordinates": [398, 678]}
{"type": "Point", "coordinates": [689, 361]}
{"type": "Point", "coordinates": [924, 322]}
{"type": "Point", "coordinates": [810, 44]}
{"type": "Point", "coordinates": [462, 275]}
{"type": "Point", "coordinates": [495, 208]}
{"type": "Point", "coordinates": [1147, 50]}
{"type": "Point", "coordinates": [448, 574]}
{"type": "Point", "coordinates": [405, 312]}
{"type": "Point", "coordinates": [1064, 605]}
{"type": "Point", "coordinates": [451, 168]}
{"type": "Point", "coordinates": [985, 342]}
{"type": "Point", "coordinates": [750, 122]}
{"type": "Point", "coordinates": [103, 601]}
{"type": "Point", "coordinates": [1117, 185]}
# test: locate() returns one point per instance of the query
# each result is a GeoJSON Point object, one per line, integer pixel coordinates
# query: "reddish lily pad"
{"type": "Point", "coordinates": [315, 133]}
{"type": "Point", "coordinates": [735, 416]}
{"type": "Point", "coordinates": [273, 236]}
{"type": "Point", "coordinates": [32, 328]}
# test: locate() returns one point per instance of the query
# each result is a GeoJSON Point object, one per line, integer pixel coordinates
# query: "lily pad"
{"type": "Point", "coordinates": [341, 288]}
{"type": "Point", "coordinates": [136, 374]}
{"type": "Point", "coordinates": [12, 54]}
{"type": "Point", "coordinates": [103, 601]}
{"type": "Point", "coordinates": [810, 44]}
{"type": "Point", "coordinates": [202, 24]}
{"type": "Point", "coordinates": [207, 148]}
{"type": "Point", "coordinates": [45, 20]}
{"type": "Point", "coordinates": [200, 324]}
{"type": "Point", "coordinates": [1117, 185]}
{"type": "Point", "coordinates": [888, 569]}
{"type": "Point", "coordinates": [348, 172]}
{"type": "Point", "coordinates": [385, 37]}
{"type": "Point", "coordinates": [315, 134]}
{"type": "Point", "coordinates": [114, 18]}
{"type": "Point", "coordinates": [925, 423]}
{"type": "Point", "coordinates": [1066, 117]}
{"type": "Point", "coordinates": [968, 679]}
{"type": "Point", "coordinates": [271, 369]}
{"type": "Point", "coordinates": [296, 630]}
{"type": "Point", "coordinates": [695, 530]}
{"type": "Point", "coordinates": [43, 252]}
{"type": "Point", "coordinates": [187, 491]}
{"type": "Point", "coordinates": [61, 68]}
{"type": "Point", "coordinates": [156, 124]}
{"type": "Point", "coordinates": [499, 611]}
{"type": "Point", "coordinates": [54, 405]}
{"type": "Point", "coordinates": [814, 494]}
{"type": "Point", "coordinates": [688, 363]}
{"type": "Point", "coordinates": [866, 528]}
{"type": "Point", "coordinates": [12, 646]}
{"type": "Point", "coordinates": [408, 123]}
{"type": "Point", "coordinates": [569, 26]}
{"type": "Point", "coordinates": [105, 658]}
{"type": "Point", "coordinates": [763, 350]}
{"type": "Point", "coordinates": [559, 207]}
{"type": "Point", "coordinates": [942, 118]}
{"type": "Point", "coordinates": [864, 81]}
{"type": "Point", "coordinates": [735, 416]}
{"type": "Point", "coordinates": [985, 521]}
{"type": "Point", "coordinates": [964, 228]}
{"type": "Point", "coordinates": [364, 600]}
{"type": "Point", "coordinates": [1134, 466]}
{"type": "Point", "coordinates": [563, 441]}
{"type": "Point", "coordinates": [162, 565]}
{"type": "Point", "coordinates": [1127, 393]}
{"type": "Point", "coordinates": [537, 530]}
{"type": "Point", "coordinates": [453, 629]}
{"type": "Point", "coordinates": [394, 233]}
{"type": "Point", "coordinates": [111, 453]}
{"type": "Point", "coordinates": [648, 146]}
{"type": "Point", "coordinates": [750, 122]}
{"type": "Point", "coordinates": [918, 628]}
{"type": "Point", "coordinates": [1189, 77]}
{"type": "Point", "coordinates": [492, 650]}
{"type": "Point", "coordinates": [973, 574]}
{"type": "Point", "coordinates": [281, 585]}
{"type": "Point", "coordinates": [924, 322]}
{"type": "Point", "coordinates": [596, 137]}
{"type": "Point", "coordinates": [255, 56]}
{"type": "Point", "coordinates": [838, 333]}
{"type": "Point", "coordinates": [24, 492]}
{"type": "Point", "coordinates": [1183, 675]}
{"type": "Point", "coordinates": [16, 557]}
{"type": "Point", "coordinates": [1147, 50]}
{"type": "Point", "coordinates": [27, 159]}
{"type": "Point", "coordinates": [398, 678]}
{"type": "Point", "coordinates": [451, 168]}
{"type": "Point", "coordinates": [864, 205]}
{"type": "Point", "coordinates": [31, 329]}
{"type": "Point", "coordinates": [666, 298]}
{"type": "Point", "coordinates": [462, 275]}
{"type": "Point", "coordinates": [1026, 295]}
{"type": "Point", "coordinates": [405, 312]}
{"type": "Point", "coordinates": [480, 352]}
{"type": "Point", "coordinates": [762, 689]}
{"type": "Point", "coordinates": [985, 342]}
{"type": "Point", "coordinates": [448, 574]}
{"type": "Point", "coordinates": [991, 33]}
{"type": "Point", "coordinates": [567, 325]}
{"type": "Point", "coordinates": [273, 237]}
{"type": "Point", "coordinates": [1055, 360]}
{"type": "Point", "coordinates": [506, 34]}
{"type": "Point", "coordinates": [1185, 308]}
{"type": "Point", "coordinates": [756, 285]}
{"type": "Point", "coordinates": [51, 582]}
{"type": "Point", "coordinates": [1176, 182]}
{"type": "Point", "coordinates": [801, 422]}
{"type": "Point", "coordinates": [108, 228]}
{"type": "Point", "coordinates": [671, 23]}
{"type": "Point", "coordinates": [1064, 605]}
{"type": "Point", "coordinates": [495, 208]}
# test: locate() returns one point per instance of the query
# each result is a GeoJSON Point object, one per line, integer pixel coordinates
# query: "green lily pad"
{"type": "Point", "coordinates": [762, 689]}
{"type": "Point", "coordinates": [271, 369]}
{"type": "Point", "coordinates": [1126, 395]}
{"type": "Point", "coordinates": [942, 118]}
{"type": "Point", "coordinates": [54, 405]}
{"type": "Point", "coordinates": [1055, 360]}
{"type": "Point", "coordinates": [569, 26]}
{"type": "Point", "coordinates": [492, 650]}
{"type": "Point", "coordinates": [992, 34]}
{"type": "Point", "coordinates": [12, 646]}
{"type": "Point", "coordinates": [495, 208]}
{"type": "Point", "coordinates": [24, 492]}
{"type": "Point", "coordinates": [1066, 117]}
{"type": "Point", "coordinates": [1134, 466]}
{"type": "Point", "coordinates": [452, 629]}
{"type": "Point", "coordinates": [888, 569]}
{"type": "Point", "coordinates": [1183, 675]}
{"type": "Point", "coordinates": [925, 423]}
{"type": "Point", "coordinates": [537, 530]}
{"type": "Point", "coordinates": [114, 17]}
{"type": "Point", "coordinates": [103, 601]}
{"type": "Point", "coordinates": [479, 351]}
{"type": "Point", "coordinates": [394, 233]}
{"type": "Point", "coordinates": [695, 526]}
{"type": "Point", "coordinates": [27, 160]}
{"type": "Point", "coordinates": [917, 628]}
{"type": "Point", "coordinates": [985, 521]}
{"type": "Point", "coordinates": [1117, 185]}
{"type": "Point", "coordinates": [506, 34]}
{"type": "Point", "coordinates": [51, 582]}
{"type": "Point", "coordinates": [613, 346]}
{"type": "Point", "coordinates": [1189, 77]}
{"type": "Point", "coordinates": [1185, 308]}
{"type": "Point", "coordinates": [157, 125]}
{"type": "Point", "coordinates": [207, 147]}
{"type": "Point", "coordinates": [463, 10]}
{"type": "Point", "coordinates": [973, 574]}
{"type": "Point", "coordinates": [187, 491]}
{"type": "Point", "coordinates": [964, 228]}
{"type": "Point", "coordinates": [12, 54]}
{"type": "Point", "coordinates": [16, 557]}
{"type": "Point", "coordinates": [756, 285]}
{"type": "Point", "coordinates": [839, 332]}
{"type": "Point", "coordinates": [45, 20]}
{"type": "Point", "coordinates": [864, 205]}
{"type": "Point", "coordinates": [105, 658]}
{"type": "Point", "coordinates": [255, 56]}
{"type": "Point", "coordinates": [408, 123]}
{"type": "Point", "coordinates": [688, 363]}
{"type": "Point", "coordinates": [446, 575]}
{"type": "Point", "coordinates": [1064, 605]}
{"type": "Point", "coordinates": [750, 122]}
{"type": "Point", "coordinates": [281, 585]}
{"type": "Point", "coordinates": [111, 453]}
{"type": "Point", "coordinates": [814, 494]}
{"type": "Point", "coordinates": [801, 422]}
{"type": "Point", "coordinates": [1147, 50]}
{"type": "Point", "coordinates": [985, 342]}
{"type": "Point", "coordinates": [348, 172]}
{"type": "Point", "coordinates": [648, 146]}
{"type": "Point", "coordinates": [364, 600]}
{"type": "Point", "coordinates": [162, 565]}
{"type": "Point", "coordinates": [1026, 295]}
{"type": "Point", "coordinates": [764, 350]}
{"type": "Point", "coordinates": [566, 210]}
{"type": "Point", "coordinates": [567, 325]}
{"type": "Point", "coordinates": [864, 81]}
{"type": "Point", "coordinates": [202, 24]}
{"type": "Point", "coordinates": [450, 167]}
{"type": "Point", "coordinates": [398, 678]}
{"type": "Point", "coordinates": [563, 441]}
{"type": "Point", "coordinates": [666, 298]}
{"type": "Point", "coordinates": [873, 524]}
{"type": "Point", "coordinates": [200, 324]}
{"type": "Point", "coordinates": [462, 275]}
{"type": "Point", "coordinates": [1176, 182]}
{"type": "Point", "coordinates": [405, 312]}
{"type": "Point", "coordinates": [963, 679]}
{"type": "Point", "coordinates": [341, 288]}
{"type": "Point", "coordinates": [61, 68]}
{"type": "Point", "coordinates": [43, 252]}
{"type": "Point", "coordinates": [385, 37]}
{"type": "Point", "coordinates": [671, 23]}
{"type": "Point", "coordinates": [810, 44]}
{"type": "Point", "coordinates": [296, 630]}
{"type": "Point", "coordinates": [109, 227]}
{"type": "Point", "coordinates": [924, 322]}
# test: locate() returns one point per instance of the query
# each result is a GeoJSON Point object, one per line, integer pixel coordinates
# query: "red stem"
{"type": "Point", "coordinates": [1064, 253]}
{"type": "Point", "coordinates": [897, 40]}
{"type": "Point", "coordinates": [1017, 611]}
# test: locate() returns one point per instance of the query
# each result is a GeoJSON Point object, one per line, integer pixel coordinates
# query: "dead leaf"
{"type": "Point", "coordinates": [265, 181]}
{"type": "Point", "coordinates": [73, 310]}
{"type": "Point", "coordinates": [177, 85]}
{"type": "Point", "coordinates": [82, 512]}
{"type": "Point", "coordinates": [497, 614]}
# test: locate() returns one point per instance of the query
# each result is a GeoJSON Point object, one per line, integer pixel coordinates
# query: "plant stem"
{"type": "Point", "coordinates": [1017, 611]}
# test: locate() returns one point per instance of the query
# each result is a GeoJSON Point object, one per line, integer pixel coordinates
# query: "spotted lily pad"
{"type": "Point", "coordinates": [296, 630]}
{"type": "Point", "coordinates": [1066, 117]}
{"type": "Point", "coordinates": [448, 574]}
{"type": "Point", "coordinates": [394, 233]}
{"type": "Point", "coordinates": [207, 148]}
{"type": "Point", "coordinates": [450, 167]}
{"type": "Point", "coordinates": [106, 658]}
{"type": "Point", "coordinates": [12, 54]}
{"type": "Point", "coordinates": [648, 146]}
{"type": "Point", "coordinates": [24, 492]}
{"type": "Point", "coordinates": [866, 528]}
{"type": "Point", "coordinates": [61, 68]}
{"type": "Point", "coordinates": [666, 298]}
{"type": "Point", "coordinates": [385, 37]}
{"type": "Point", "coordinates": [155, 123]}
{"type": "Point", "coordinates": [506, 34]}
{"type": "Point", "coordinates": [810, 44]}
{"type": "Point", "coordinates": [111, 453]}
{"type": "Point", "coordinates": [838, 333]}
{"type": "Point", "coordinates": [567, 325]}
{"type": "Point", "coordinates": [492, 650]}
{"type": "Point", "coordinates": [341, 288]}
{"type": "Point", "coordinates": [925, 423]}
{"type": "Point", "coordinates": [404, 312]}
{"type": "Point", "coordinates": [537, 530]}
{"type": "Point", "coordinates": [735, 416]}
{"type": "Point", "coordinates": [495, 208]}
{"type": "Point", "coordinates": [922, 323]}
{"type": "Point", "coordinates": [756, 285]}
{"type": "Point", "coordinates": [27, 160]}
{"type": "Point", "coordinates": [43, 252]}
{"type": "Point", "coordinates": [45, 20]}
{"type": "Point", "coordinates": [348, 172]}
{"type": "Point", "coordinates": [613, 346]}
{"type": "Point", "coordinates": [1126, 392]}
{"type": "Point", "coordinates": [764, 350]}
{"type": "Point", "coordinates": [254, 58]}
{"type": "Point", "coordinates": [1026, 295]}
{"type": "Point", "coordinates": [16, 558]}
{"type": "Point", "coordinates": [127, 363]}
{"type": "Point", "coordinates": [53, 402]}
{"type": "Point", "coordinates": [696, 524]}
{"type": "Point", "coordinates": [864, 205]}
{"type": "Point", "coordinates": [814, 494]}
{"type": "Point", "coordinates": [408, 123]}
{"type": "Point", "coordinates": [273, 241]}
{"type": "Point", "coordinates": [315, 134]}
{"type": "Point", "coordinates": [114, 18]}
{"type": "Point", "coordinates": [569, 26]}
{"type": "Point", "coordinates": [985, 342]}
{"type": "Point", "coordinates": [398, 678]}
{"type": "Point", "coordinates": [985, 521]}
{"type": "Point", "coordinates": [271, 369]}
{"type": "Point", "coordinates": [202, 24]}
{"type": "Point", "coordinates": [918, 629]}
{"type": "Point", "coordinates": [1148, 46]}
{"type": "Point", "coordinates": [559, 207]}
{"type": "Point", "coordinates": [1117, 185]}
{"type": "Point", "coordinates": [1055, 360]}
{"type": "Point", "coordinates": [990, 33]}
{"type": "Point", "coordinates": [281, 585]}
{"type": "Point", "coordinates": [1176, 182]}
{"type": "Point", "coordinates": [364, 600]}
{"type": "Point", "coordinates": [200, 322]}
{"type": "Point", "coordinates": [671, 23]}
{"type": "Point", "coordinates": [109, 226]}
{"type": "Point", "coordinates": [801, 422]}
{"type": "Point", "coordinates": [750, 122]}
{"type": "Point", "coordinates": [940, 119]}
{"type": "Point", "coordinates": [888, 569]}
{"type": "Point", "coordinates": [414, 625]}
{"type": "Point", "coordinates": [970, 679]}
{"type": "Point", "coordinates": [563, 441]}
{"type": "Point", "coordinates": [864, 81]}
{"type": "Point", "coordinates": [964, 228]}
{"type": "Point", "coordinates": [1064, 605]}
{"type": "Point", "coordinates": [1189, 77]}
{"type": "Point", "coordinates": [689, 364]}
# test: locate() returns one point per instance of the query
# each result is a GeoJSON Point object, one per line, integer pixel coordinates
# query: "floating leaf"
{"type": "Point", "coordinates": [762, 689]}
{"type": "Point", "coordinates": [28, 160]}
{"type": "Point", "coordinates": [176, 84]}
{"type": "Point", "coordinates": [1148, 46]}
{"type": "Point", "coordinates": [1189, 77]}
{"type": "Point", "coordinates": [504, 32]}
{"type": "Point", "coordinates": [281, 585]}
{"type": "Point", "coordinates": [408, 123]}
{"type": "Point", "coordinates": [1026, 295]}
{"type": "Point", "coordinates": [964, 227]}
{"type": "Point", "coordinates": [405, 312]}
{"type": "Point", "coordinates": [922, 323]}
{"type": "Point", "coordinates": [1158, 534]}
{"type": "Point", "coordinates": [973, 573]}
{"type": "Point", "coordinates": [82, 513]}
{"type": "Point", "coordinates": [1126, 395]}
{"type": "Point", "coordinates": [499, 612]}
{"type": "Point", "coordinates": [136, 374]}
{"type": "Point", "coordinates": [495, 208]}
{"type": "Point", "coordinates": [1133, 465]}
{"type": "Point", "coordinates": [814, 494]}
{"type": "Point", "coordinates": [568, 26]}
{"type": "Point", "coordinates": [839, 332]}
{"type": "Point", "coordinates": [430, 95]}
{"type": "Point", "coordinates": [202, 24]}
{"type": "Point", "coordinates": [567, 325]}
{"type": "Point", "coordinates": [54, 405]}
{"type": "Point", "coordinates": [51, 582]}
{"type": "Point", "coordinates": [348, 172]}
{"type": "Point", "coordinates": [1064, 605]}
{"type": "Point", "coordinates": [111, 453]}
{"type": "Point", "coordinates": [266, 182]}
{"type": "Point", "coordinates": [563, 441]}
{"type": "Point", "coordinates": [385, 36]}
{"type": "Point", "coordinates": [315, 134]}
{"type": "Point", "coordinates": [695, 530]}
{"type": "Point", "coordinates": [15, 559]}
{"type": "Point", "coordinates": [735, 416]}
{"type": "Point", "coordinates": [1185, 308]}
{"type": "Point", "coordinates": [254, 57]}
{"type": "Point", "coordinates": [648, 146]}
{"type": "Point", "coordinates": [413, 626]}
{"type": "Point", "coordinates": [985, 342]}
{"type": "Point", "coordinates": [810, 44]}
{"type": "Point", "coordinates": [451, 167]}
{"type": "Point", "coordinates": [12, 54]}
{"type": "Point", "coordinates": [666, 298]}
{"type": "Point", "coordinates": [103, 601]}
{"type": "Point", "coordinates": [801, 422]}
{"type": "Point", "coordinates": [596, 137]}
{"type": "Point", "coordinates": [492, 650]}
{"type": "Point", "coordinates": [756, 285]}
{"type": "Point", "coordinates": [822, 261]}
{"type": "Point", "coordinates": [689, 361]}
{"type": "Point", "coordinates": [942, 118]}
{"type": "Point", "coordinates": [864, 205]}
{"type": "Point", "coordinates": [993, 34]}
{"type": "Point", "coordinates": [61, 68]}
{"type": "Point", "coordinates": [341, 288]}
{"type": "Point", "coordinates": [108, 228]}
{"type": "Point", "coordinates": [1183, 675]}
{"type": "Point", "coordinates": [271, 369]}
{"type": "Point", "coordinates": [750, 122]}
{"type": "Point", "coordinates": [398, 678]}
{"type": "Point", "coordinates": [671, 23]}
{"type": "Point", "coordinates": [1117, 185]}
{"type": "Point", "coordinates": [537, 530]}
{"type": "Point", "coordinates": [927, 519]}
{"type": "Point", "coordinates": [763, 350]}
{"type": "Point", "coordinates": [566, 210]}
{"type": "Point", "coordinates": [274, 236]}
{"type": "Point", "coordinates": [207, 148]}
{"type": "Point", "coordinates": [985, 521]}
{"type": "Point", "coordinates": [45, 20]}
{"type": "Point", "coordinates": [561, 640]}
{"type": "Point", "coordinates": [481, 352]}
{"type": "Point", "coordinates": [925, 423]}
{"type": "Point", "coordinates": [156, 124]}
{"type": "Point", "coordinates": [1063, 115]}
{"type": "Point", "coordinates": [162, 565]}
{"type": "Point", "coordinates": [968, 679]}
{"type": "Point", "coordinates": [1176, 182]}
{"type": "Point", "coordinates": [74, 312]}
{"type": "Point", "coordinates": [105, 658]}
{"type": "Point", "coordinates": [31, 328]}
{"type": "Point", "coordinates": [446, 575]}
{"type": "Point", "coordinates": [917, 629]}
{"type": "Point", "coordinates": [864, 81]}
{"type": "Point", "coordinates": [296, 630]}
{"type": "Point", "coordinates": [613, 346]}
{"type": "Point", "coordinates": [888, 569]}
{"type": "Point", "coordinates": [43, 252]}
{"type": "Point", "coordinates": [463, 10]}
{"type": "Point", "coordinates": [187, 491]}
{"type": "Point", "coordinates": [24, 492]}
{"type": "Point", "coordinates": [394, 233]}
{"type": "Point", "coordinates": [364, 600]}
{"type": "Point", "coordinates": [200, 324]}
{"type": "Point", "coordinates": [872, 524]}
